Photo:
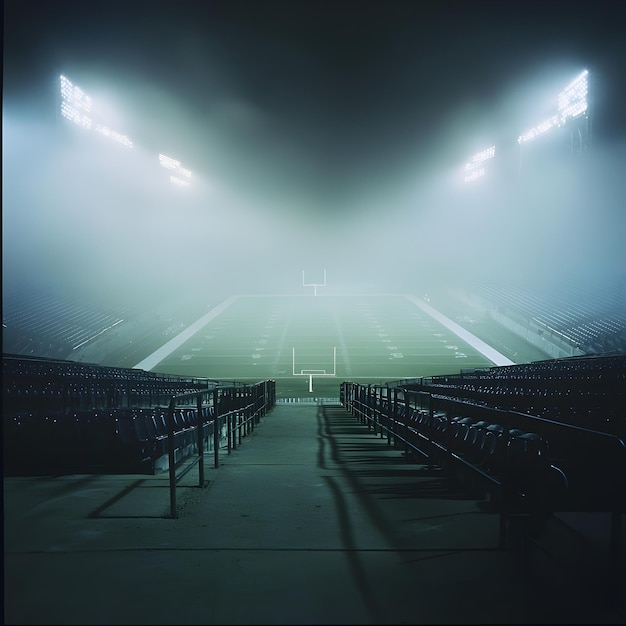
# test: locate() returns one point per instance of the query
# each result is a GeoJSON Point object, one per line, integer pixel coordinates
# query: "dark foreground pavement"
{"type": "Point", "coordinates": [312, 520]}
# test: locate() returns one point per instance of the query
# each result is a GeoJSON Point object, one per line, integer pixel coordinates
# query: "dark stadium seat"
{"type": "Point", "coordinates": [440, 425]}
{"type": "Point", "coordinates": [495, 449]}
{"type": "Point", "coordinates": [62, 432]}
{"type": "Point", "coordinates": [192, 417]}
{"type": "Point", "coordinates": [97, 433]}
{"type": "Point", "coordinates": [159, 439]}
{"type": "Point", "coordinates": [23, 441]}
{"type": "Point", "coordinates": [473, 445]}
{"type": "Point", "coordinates": [456, 432]}
{"type": "Point", "coordinates": [130, 451]}
{"type": "Point", "coordinates": [160, 422]}
{"type": "Point", "coordinates": [527, 460]}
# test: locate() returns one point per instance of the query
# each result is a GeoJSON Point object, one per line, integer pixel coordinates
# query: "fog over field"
{"type": "Point", "coordinates": [77, 213]}
{"type": "Point", "coordinates": [304, 155]}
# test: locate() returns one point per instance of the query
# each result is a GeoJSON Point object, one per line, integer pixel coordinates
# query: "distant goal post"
{"type": "Point", "coordinates": [314, 285]}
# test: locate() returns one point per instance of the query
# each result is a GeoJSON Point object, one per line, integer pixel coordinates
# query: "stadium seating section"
{"type": "Point", "coordinates": [61, 416]}
{"type": "Point", "coordinates": [43, 323]}
{"type": "Point", "coordinates": [590, 318]}
{"type": "Point", "coordinates": [539, 438]}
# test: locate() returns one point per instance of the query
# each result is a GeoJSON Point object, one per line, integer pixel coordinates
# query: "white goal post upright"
{"type": "Point", "coordinates": [314, 285]}
{"type": "Point", "coordinates": [312, 372]}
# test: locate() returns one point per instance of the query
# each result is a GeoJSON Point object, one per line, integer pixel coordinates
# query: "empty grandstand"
{"type": "Point", "coordinates": [306, 368]}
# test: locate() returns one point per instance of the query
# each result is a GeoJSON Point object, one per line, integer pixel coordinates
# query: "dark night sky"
{"type": "Point", "coordinates": [352, 87]}
{"type": "Point", "coordinates": [318, 108]}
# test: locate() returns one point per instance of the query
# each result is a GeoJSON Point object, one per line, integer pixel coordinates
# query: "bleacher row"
{"type": "Point", "coordinates": [61, 416]}
{"type": "Point", "coordinates": [59, 385]}
{"type": "Point", "coordinates": [584, 391]}
{"type": "Point", "coordinates": [39, 323]}
{"type": "Point", "coordinates": [96, 441]}
{"type": "Point", "coordinates": [590, 319]}
{"type": "Point", "coordinates": [532, 466]}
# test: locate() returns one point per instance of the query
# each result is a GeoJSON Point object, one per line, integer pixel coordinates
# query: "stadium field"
{"type": "Point", "coordinates": [364, 338]}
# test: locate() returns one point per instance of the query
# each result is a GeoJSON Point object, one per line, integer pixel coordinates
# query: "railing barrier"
{"type": "Point", "coordinates": [236, 407]}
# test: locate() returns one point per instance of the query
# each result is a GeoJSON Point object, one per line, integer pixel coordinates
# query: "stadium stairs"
{"type": "Point", "coordinates": [379, 508]}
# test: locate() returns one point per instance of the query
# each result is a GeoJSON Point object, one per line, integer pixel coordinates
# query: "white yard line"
{"type": "Point", "coordinates": [164, 351]}
{"type": "Point", "coordinates": [478, 344]}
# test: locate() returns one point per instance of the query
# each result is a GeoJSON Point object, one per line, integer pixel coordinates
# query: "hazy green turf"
{"type": "Point", "coordinates": [377, 339]}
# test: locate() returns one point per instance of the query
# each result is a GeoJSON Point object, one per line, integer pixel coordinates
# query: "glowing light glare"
{"type": "Point", "coordinates": [572, 103]}
{"type": "Point", "coordinates": [74, 115]}
{"type": "Point", "coordinates": [474, 175]}
{"type": "Point", "coordinates": [573, 99]}
{"type": "Point", "coordinates": [485, 155]}
{"type": "Point", "coordinates": [76, 107]}
{"type": "Point", "coordinates": [544, 127]}
{"type": "Point", "coordinates": [75, 96]}
{"type": "Point", "coordinates": [183, 175]}
{"type": "Point", "coordinates": [475, 167]}
{"type": "Point", "coordinates": [179, 181]}
{"type": "Point", "coordinates": [111, 134]}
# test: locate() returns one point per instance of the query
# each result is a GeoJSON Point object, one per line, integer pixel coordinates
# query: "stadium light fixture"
{"type": "Point", "coordinates": [75, 104]}
{"type": "Point", "coordinates": [571, 104]}
{"type": "Point", "coordinates": [76, 107]}
{"type": "Point", "coordinates": [111, 134]}
{"type": "Point", "coordinates": [573, 99]}
{"type": "Point", "coordinates": [181, 176]}
{"type": "Point", "coordinates": [475, 167]}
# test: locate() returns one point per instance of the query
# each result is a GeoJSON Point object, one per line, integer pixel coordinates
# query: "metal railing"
{"type": "Point", "coordinates": [591, 464]}
{"type": "Point", "coordinates": [238, 407]}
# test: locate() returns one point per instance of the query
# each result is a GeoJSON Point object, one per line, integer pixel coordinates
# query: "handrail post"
{"type": "Point", "coordinates": [200, 441]}
{"type": "Point", "coordinates": [407, 413]}
{"type": "Point", "coordinates": [243, 424]}
{"type": "Point", "coordinates": [241, 420]}
{"type": "Point", "coordinates": [216, 436]}
{"type": "Point", "coordinates": [256, 396]}
{"type": "Point", "coordinates": [391, 439]}
{"type": "Point", "coordinates": [389, 413]}
{"type": "Point", "coordinates": [229, 432]}
{"type": "Point", "coordinates": [245, 414]}
{"type": "Point", "coordinates": [381, 393]}
{"type": "Point", "coordinates": [170, 451]}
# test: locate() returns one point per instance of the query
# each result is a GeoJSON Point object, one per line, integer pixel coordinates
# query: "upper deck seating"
{"type": "Point", "coordinates": [591, 318]}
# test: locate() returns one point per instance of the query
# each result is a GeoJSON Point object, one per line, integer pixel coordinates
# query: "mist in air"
{"type": "Point", "coordinates": [270, 198]}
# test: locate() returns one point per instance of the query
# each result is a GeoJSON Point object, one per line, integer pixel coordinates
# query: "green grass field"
{"type": "Point", "coordinates": [377, 339]}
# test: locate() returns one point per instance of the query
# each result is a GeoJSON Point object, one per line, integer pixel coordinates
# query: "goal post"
{"type": "Point", "coordinates": [314, 372]}
{"type": "Point", "coordinates": [314, 285]}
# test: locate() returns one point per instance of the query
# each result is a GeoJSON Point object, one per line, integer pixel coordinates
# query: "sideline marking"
{"type": "Point", "coordinates": [476, 343]}
{"type": "Point", "coordinates": [165, 350]}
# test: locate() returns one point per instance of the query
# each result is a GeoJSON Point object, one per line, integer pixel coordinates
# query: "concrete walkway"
{"type": "Point", "coordinates": [313, 519]}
